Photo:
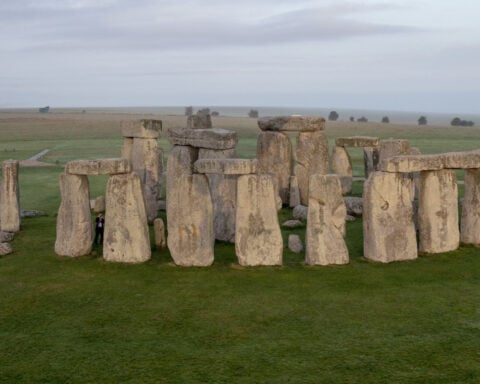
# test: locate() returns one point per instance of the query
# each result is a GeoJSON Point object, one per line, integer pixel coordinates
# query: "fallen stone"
{"type": "Point", "coordinates": [295, 243]}
{"type": "Point", "coordinates": [357, 141]}
{"type": "Point", "coordinates": [32, 213]}
{"type": "Point", "coordinates": [98, 167]}
{"type": "Point", "coordinates": [10, 197]}
{"type": "Point", "coordinates": [6, 236]}
{"type": "Point", "coordinates": [354, 205]}
{"type": "Point", "coordinates": [300, 212]}
{"type": "Point", "coordinates": [5, 249]}
{"type": "Point", "coordinates": [215, 138]}
{"type": "Point", "coordinates": [293, 224]}
{"type": "Point", "coordinates": [292, 123]}
{"type": "Point", "coordinates": [159, 233]}
{"type": "Point", "coordinates": [226, 166]}
{"type": "Point", "coordinates": [470, 224]}
{"type": "Point", "coordinates": [350, 218]}
{"type": "Point", "coordinates": [144, 129]}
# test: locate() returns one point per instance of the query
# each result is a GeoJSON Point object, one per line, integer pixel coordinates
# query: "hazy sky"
{"type": "Point", "coordinates": [378, 54]}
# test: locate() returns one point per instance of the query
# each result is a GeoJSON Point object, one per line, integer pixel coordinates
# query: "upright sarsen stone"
{"type": "Point", "coordinates": [388, 226]}
{"type": "Point", "coordinates": [74, 221]}
{"type": "Point", "coordinates": [191, 237]}
{"type": "Point", "coordinates": [180, 163]}
{"type": "Point", "coordinates": [10, 197]}
{"type": "Point", "coordinates": [342, 166]}
{"type": "Point", "coordinates": [326, 222]}
{"type": "Point", "coordinates": [258, 240]}
{"type": "Point", "coordinates": [470, 227]}
{"type": "Point", "coordinates": [126, 237]}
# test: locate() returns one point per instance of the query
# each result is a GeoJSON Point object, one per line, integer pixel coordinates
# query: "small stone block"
{"type": "Point", "coordinates": [144, 129]}
{"type": "Point", "coordinates": [215, 138]}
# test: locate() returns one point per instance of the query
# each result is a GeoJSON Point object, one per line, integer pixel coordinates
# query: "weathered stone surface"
{"type": "Point", "coordinates": [393, 147]}
{"type": "Point", "coordinates": [349, 218]}
{"type": "Point", "coordinates": [438, 211]}
{"type": "Point", "coordinates": [294, 192]}
{"type": "Point", "coordinates": [292, 123]}
{"type": "Point", "coordinates": [10, 197]}
{"type": "Point", "coordinates": [98, 167]}
{"type": "Point", "coordinates": [274, 154]}
{"type": "Point", "coordinates": [223, 189]}
{"type": "Point", "coordinates": [293, 224]}
{"type": "Point", "coordinates": [300, 212]}
{"type": "Point", "coordinates": [200, 120]}
{"type": "Point", "coordinates": [470, 224]}
{"type": "Point", "coordinates": [461, 160]}
{"type": "Point", "coordinates": [144, 129]}
{"type": "Point", "coordinates": [215, 138]}
{"type": "Point", "coordinates": [388, 227]}
{"type": "Point", "coordinates": [370, 159]}
{"type": "Point", "coordinates": [99, 204]}
{"type": "Point", "coordinates": [5, 249]}
{"type": "Point", "coordinates": [6, 236]}
{"type": "Point", "coordinates": [354, 205]}
{"type": "Point", "coordinates": [146, 155]}
{"type": "Point", "coordinates": [180, 163]}
{"type": "Point", "coordinates": [312, 158]}
{"type": "Point", "coordinates": [127, 148]}
{"type": "Point", "coordinates": [295, 243]}
{"type": "Point", "coordinates": [226, 166]}
{"type": "Point", "coordinates": [258, 239]}
{"type": "Point", "coordinates": [342, 166]}
{"type": "Point", "coordinates": [326, 222]}
{"type": "Point", "coordinates": [357, 141]}
{"type": "Point", "coordinates": [159, 233]}
{"type": "Point", "coordinates": [191, 236]}
{"type": "Point", "coordinates": [126, 237]}
{"type": "Point", "coordinates": [74, 220]}
{"type": "Point", "coordinates": [32, 213]}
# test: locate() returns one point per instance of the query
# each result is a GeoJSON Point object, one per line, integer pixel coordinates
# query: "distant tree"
{"type": "Point", "coordinates": [352, 119]}
{"type": "Point", "coordinates": [189, 111]}
{"type": "Point", "coordinates": [44, 109]}
{"type": "Point", "coordinates": [362, 119]}
{"type": "Point", "coordinates": [215, 113]}
{"type": "Point", "coordinates": [253, 113]}
{"type": "Point", "coordinates": [422, 120]}
{"type": "Point", "coordinates": [333, 116]}
{"type": "Point", "coordinates": [457, 122]}
{"type": "Point", "coordinates": [385, 119]}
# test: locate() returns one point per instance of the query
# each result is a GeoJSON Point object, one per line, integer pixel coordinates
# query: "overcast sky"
{"type": "Point", "coordinates": [377, 54]}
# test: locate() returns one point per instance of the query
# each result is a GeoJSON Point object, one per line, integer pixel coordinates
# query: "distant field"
{"type": "Point", "coordinates": [87, 321]}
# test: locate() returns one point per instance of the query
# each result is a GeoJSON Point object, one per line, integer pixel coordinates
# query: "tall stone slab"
{"type": "Point", "coordinates": [223, 189]}
{"type": "Point", "coordinates": [126, 237]}
{"type": "Point", "coordinates": [342, 166]}
{"type": "Point", "coordinates": [312, 157]}
{"type": "Point", "coordinates": [371, 156]}
{"type": "Point", "coordinates": [274, 154]}
{"type": "Point", "coordinates": [393, 147]}
{"type": "Point", "coordinates": [470, 224]}
{"type": "Point", "coordinates": [438, 211]}
{"type": "Point", "coordinates": [74, 220]}
{"type": "Point", "coordinates": [10, 197]}
{"type": "Point", "coordinates": [191, 237]}
{"type": "Point", "coordinates": [127, 148]}
{"type": "Point", "coordinates": [258, 240]}
{"type": "Point", "coordinates": [294, 192]}
{"type": "Point", "coordinates": [326, 222]}
{"type": "Point", "coordinates": [179, 163]}
{"type": "Point", "coordinates": [388, 226]}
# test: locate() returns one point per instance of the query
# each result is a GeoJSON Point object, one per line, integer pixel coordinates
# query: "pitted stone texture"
{"type": "Point", "coordinates": [5, 249]}
{"type": "Point", "coordinates": [199, 121]}
{"type": "Point", "coordinates": [470, 227]}
{"type": "Point", "coordinates": [223, 188]}
{"type": "Point", "coordinates": [300, 212]}
{"type": "Point", "coordinates": [159, 233]}
{"type": "Point", "coordinates": [354, 205]}
{"type": "Point", "coordinates": [357, 141]}
{"type": "Point", "coordinates": [292, 123]}
{"type": "Point", "coordinates": [312, 157]}
{"type": "Point", "coordinates": [342, 166]}
{"type": "Point", "coordinates": [10, 197]}
{"type": "Point", "coordinates": [146, 156]}
{"type": "Point", "coordinates": [226, 166]}
{"type": "Point", "coordinates": [98, 167]}
{"type": "Point", "coordinates": [295, 243]}
{"type": "Point", "coordinates": [74, 220]}
{"type": "Point", "coordinates": [180, 163]}
{"type": "Point", "coordinates": [294, 192]}
{"type": "Point", "coordinates": [326, 222]}
{"type": "Point", "coordinates": [126, 237]}
{"type": "Point", "coordinates": [144, 129]}
{"type": "Point", "coordinates": [6, 236]}
{"type": "Point", "coordinates": [438, 211]}
{"type": "Point", "coordinates": [215, 138]}
{"type": "Point", "coordinates": [191, 237]}
{"type": "Point", "coordinates": [127, 148]}
{"type": "Point", "coordinates": [388, 227]}
{"type": "Point", "coordinates": [258, 239]}
{"type": "Point", "coordinates": [274, 154]}
{"type": "Point", "coordinates": [393, 147]}
{"type": "Point", "coordinates": [99, 205]}
{"type": "Point", "coordinates": [370, 159]}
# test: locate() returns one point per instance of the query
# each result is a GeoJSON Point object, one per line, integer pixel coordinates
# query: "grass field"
{"type": "Point", "coordinates": [87, 321]}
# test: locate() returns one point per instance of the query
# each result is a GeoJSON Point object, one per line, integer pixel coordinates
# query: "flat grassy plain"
{"type": "Point", "coordinates": [87, 321]}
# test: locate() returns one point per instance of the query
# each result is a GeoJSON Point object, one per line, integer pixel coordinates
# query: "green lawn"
{"type": "Point", "coordinates": [87, 321]}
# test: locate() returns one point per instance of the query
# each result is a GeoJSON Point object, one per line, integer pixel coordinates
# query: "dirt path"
{"type": "Point", "coordinates": [33, 161]}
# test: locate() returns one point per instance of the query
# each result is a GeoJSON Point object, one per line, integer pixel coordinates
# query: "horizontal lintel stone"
{"type": "Point", "coordinates": [143, 129]}
{"type": "Point", "coordinates": [292, 123]}
{"type": "Point", "coordinates": [226, 166]}
{"type": "Point", "coordinates": [98, 167]}
{"type": "Point", "coordinates": [357, 141]}
{"type": "Point", "coordinates": [211, 138]}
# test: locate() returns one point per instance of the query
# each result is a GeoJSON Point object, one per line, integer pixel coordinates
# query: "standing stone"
{"type": "Point", "coordinates": [258, 240]}
{"type": "Point", "coordinates": [438, 211]}
{"type": "Point", "coordinates": [126, 237]}
{"type": "Point", "coordinates": [159, 232]}
{"type": "Point", "coordinates": [274, 154]}
{"type": "Point", "coordinates": [393, 147]}
{"type": "Point", "coordinates": [224, 195]}
{"type": "Point", "coordinates": [312, 158]}
{"type": "Point", "coordinates": [180, 163]}
{"type": "Point", "coordinates": [326, 222]}
{"type": "Point", "coordinates": [200, 120]}
{"type": "Point", "coordinates": [191, 237]}
{"type": "Point", "coordinates": [74, 220]}
{"type": "Point", "coordinates": [127, 148]}
{"type": "Point", "coordinates": [10, 197]}
{"type": "Point", "coordinates": [388, 227]}
{"type": "Point", "coordinates": [99, 205]}
{"type": "Point", "coordinates": [295, 243]}
{"type": "Point", "coordinates": [342, 166]}
{"type": "Point", "coordinates": [470, 229]}
{"type": "Point", "coordinates": [371, 157]}
{"type": "Point", "coordinates": [294, 192]}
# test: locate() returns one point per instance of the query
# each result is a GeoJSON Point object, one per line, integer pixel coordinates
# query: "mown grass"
{"type": "Point", "coordinates": [87, 321]}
